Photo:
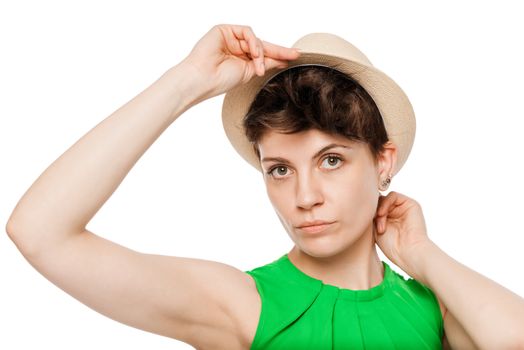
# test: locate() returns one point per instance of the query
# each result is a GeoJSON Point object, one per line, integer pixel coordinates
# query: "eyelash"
{"type": "Point", "coordinates": [340, 159]}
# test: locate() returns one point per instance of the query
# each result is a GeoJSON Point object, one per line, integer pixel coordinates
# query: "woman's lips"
{"type": "Point", "coordinates": [315, 228]}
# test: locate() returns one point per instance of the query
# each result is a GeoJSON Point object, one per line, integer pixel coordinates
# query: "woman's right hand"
{"type": "Point", "coordinates": [228, 55]}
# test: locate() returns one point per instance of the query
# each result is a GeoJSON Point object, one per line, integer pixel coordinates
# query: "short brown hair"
{"type": "Point", "coordinates": [316, 97]}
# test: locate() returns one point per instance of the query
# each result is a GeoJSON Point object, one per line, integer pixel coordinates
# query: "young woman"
{"type": "Point", "coordinates": [324, 152]}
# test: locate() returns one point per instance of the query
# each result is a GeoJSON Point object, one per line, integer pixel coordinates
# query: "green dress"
{"type": "Point", "coordinates": [301, 312]}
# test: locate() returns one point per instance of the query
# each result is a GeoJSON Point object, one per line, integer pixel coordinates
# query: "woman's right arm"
{"type": "Point", "coordinates": [165, 295]}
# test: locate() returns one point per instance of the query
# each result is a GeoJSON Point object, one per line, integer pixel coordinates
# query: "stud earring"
{"type": "Point", "coordinates": [384, 185]}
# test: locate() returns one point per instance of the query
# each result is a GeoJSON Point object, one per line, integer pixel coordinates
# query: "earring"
{"type": "Point", "coordinates": [384, 185]}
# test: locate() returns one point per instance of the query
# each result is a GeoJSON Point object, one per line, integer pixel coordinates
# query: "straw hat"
{"type": "Point", "coordinates": [329, 50]}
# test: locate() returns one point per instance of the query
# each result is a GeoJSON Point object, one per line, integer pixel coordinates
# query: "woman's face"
{"type": "Point", "coordinates": [313, 182]}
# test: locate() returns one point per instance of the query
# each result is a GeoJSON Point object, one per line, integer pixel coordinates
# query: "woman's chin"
{"type": "Point", "coordinates": [324, 246]}
{"type": "Point", "coordinates": [320, 248]}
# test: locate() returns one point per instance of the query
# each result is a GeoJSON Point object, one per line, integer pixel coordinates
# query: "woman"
{"type": "Point", "coordinates": [212, 305]}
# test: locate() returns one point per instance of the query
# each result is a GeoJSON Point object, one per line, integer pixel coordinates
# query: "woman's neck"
{"type": "Point", "coordinates": [357, 268]}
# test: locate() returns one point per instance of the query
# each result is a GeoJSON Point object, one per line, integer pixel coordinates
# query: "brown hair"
{"type": "Point", "coordinates": [316, 97]}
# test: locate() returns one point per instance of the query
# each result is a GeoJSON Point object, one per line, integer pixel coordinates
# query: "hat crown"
{"type": "Point", "coordinates": [332, 45]}
{"type": "Point", "coordinates": [330, 50]}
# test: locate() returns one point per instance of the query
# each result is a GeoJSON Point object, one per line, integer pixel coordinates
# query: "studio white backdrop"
{"type": "Point", "coordinates": [65, 66]}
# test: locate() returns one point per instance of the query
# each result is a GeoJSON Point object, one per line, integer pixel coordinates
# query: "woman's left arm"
{"type": "Point", "coordinates": [492, 315]}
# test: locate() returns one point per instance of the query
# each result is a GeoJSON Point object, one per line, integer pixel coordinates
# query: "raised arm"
{"type": "Point", "coordinates": [187, 299]}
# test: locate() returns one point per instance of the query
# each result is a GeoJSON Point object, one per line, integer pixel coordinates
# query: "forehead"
{"type": "Point", "coordinates": [274, 143]}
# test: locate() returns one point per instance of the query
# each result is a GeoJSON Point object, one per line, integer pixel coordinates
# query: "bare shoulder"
{"type": "Point", "coordinates": [229, 310]}
{"type": "Point", "coordinates": [247, 310]}
{"type": "Point", "coordinates": [232, 293]}
{"type": "Point", "coordinates": [237, 294]}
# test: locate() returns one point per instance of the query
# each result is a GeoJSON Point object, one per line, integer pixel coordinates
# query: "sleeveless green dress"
{"type": "Point", "coordinates": [301, 312]}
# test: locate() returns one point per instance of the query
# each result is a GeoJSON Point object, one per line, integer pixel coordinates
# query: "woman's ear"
{"type": "Point", "coordinates": [387, 161]}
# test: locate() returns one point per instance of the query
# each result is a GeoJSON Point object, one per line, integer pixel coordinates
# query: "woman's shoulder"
{"type": "Point", "coordinates": [412, 286]}
{"type": "Point", "coordinates": [418, 298]}
{"type": "Point", "coordinates": [278, 279]}
{"type": "Point", "coordinates": [283, 297]}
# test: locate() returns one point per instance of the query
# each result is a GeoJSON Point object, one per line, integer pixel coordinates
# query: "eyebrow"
{"type": "Point", "coordinates": [322, 150]}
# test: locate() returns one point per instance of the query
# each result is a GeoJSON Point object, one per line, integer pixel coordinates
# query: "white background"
{"type": "Point", "coordinates": [65, 66]}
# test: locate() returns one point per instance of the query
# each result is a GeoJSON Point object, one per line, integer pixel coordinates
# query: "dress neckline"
{"type": "Point", "coordinates": [343, 293]}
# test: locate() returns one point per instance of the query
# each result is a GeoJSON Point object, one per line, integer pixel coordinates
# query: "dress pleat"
{"type": "Point", "coordinates": [301, 312]}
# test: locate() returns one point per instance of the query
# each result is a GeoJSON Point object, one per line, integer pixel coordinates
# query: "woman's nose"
{"type": "Point", "coordinates": [308, 193]}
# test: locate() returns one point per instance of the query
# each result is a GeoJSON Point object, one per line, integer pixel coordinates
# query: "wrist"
{"type": "Point", "coordinates": [185, 85]}
{"type": "Point", "coordinates": [417, 259]}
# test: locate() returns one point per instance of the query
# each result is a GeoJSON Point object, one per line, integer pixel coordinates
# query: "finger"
{"type": "Point", "coordinates": [247, 55]}
{"type": "Point", "coordinates": [381, 224]}
{"type": "Point", "coordinates": [233, 44]}
{"type": "Point", "coordinates": [271, 63]}
{"type": "Point", "coordinates": [236, 37]}
{"type": "Point", "coordinates": [247, 34]}
{"type": "Point", "coordinates": [260, 57]}
{"type": "Point", "coordinates": [379, 204]}
{"type": "Point", "coordinates": [250, 44]}
{"type": "Point", "coordinates": [391, 206]}
{"type": "Point", "coordinates": [385, 203]}
{"type": "Point", "coordinates": [376, 230]}
{"type": "Point", "coordinates": [280, 52]}
{"type": "Point", "coordinates": [255, 46]}
{"type": "Point", "coordinates": [245, 49]}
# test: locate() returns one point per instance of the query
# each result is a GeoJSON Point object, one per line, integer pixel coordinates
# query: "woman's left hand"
{"type": "Point", "coordinates": [400, 230]}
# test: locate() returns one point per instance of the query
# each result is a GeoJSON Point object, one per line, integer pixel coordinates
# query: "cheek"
{"type": "Point", "coordinates": [274, 196]}
{"type": "Point", "coordinates": [281, 205]}
{"type": "Point", "coordinates": [358, 201]}
{"type": "Point", "coordinates": [280, 202]}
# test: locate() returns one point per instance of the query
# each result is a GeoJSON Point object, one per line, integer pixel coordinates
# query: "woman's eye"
{"type": "Point", "coordinates": [278, 170]}
{"type": "Point", "coordinates": [332, 160]}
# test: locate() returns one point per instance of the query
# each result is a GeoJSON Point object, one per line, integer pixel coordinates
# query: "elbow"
{"type": "Point", "coordinates": [13, 228]}
{"type": "Point", "coordinates": [20, 240]}
{"type": "Point", "coordinates": [36, 240]}
{"type": "Point", "coordinates": [10, 229]}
